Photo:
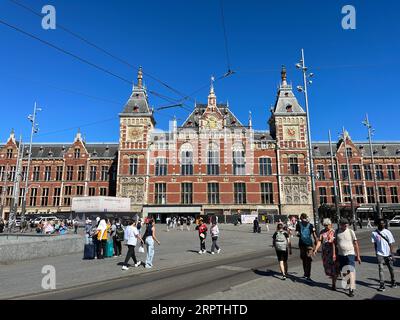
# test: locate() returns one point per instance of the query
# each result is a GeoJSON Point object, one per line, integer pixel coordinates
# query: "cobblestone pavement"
{"type": "Point", "coordinates": [269, 286]}
{"type": "Point", "coordinates": [179, 248]}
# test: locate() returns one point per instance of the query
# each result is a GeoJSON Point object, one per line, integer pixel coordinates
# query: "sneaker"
{"type": "Point", "coordinates": [283, 278]}
{"type": "Point", "coordinates": [219, 250]}
{"type": "Point", "coordinates": [138, 264]}
{"type": "Point", "coordinates": [201, 252]}
{"type": "Point", "coordinates": [393, 284]}
{"type": "Point", "coordinates": [308, 279]}
{"type": "Point", "coordinates": [213, 252]}
{"type": "Point", "coordinates": [148, 266]}
{"type": "Point", "coordinates": [204, 251]}
{"type": "Point", "coordinates": [382, 287]}
{"type": "Point", "coordinates": [125, 268]}
{"type": "Point", "coordinates": [351, 293]}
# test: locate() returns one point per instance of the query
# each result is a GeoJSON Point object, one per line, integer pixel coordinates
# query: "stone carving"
{"type": "Point", "coordinates": [295, 190]}
{"type": "Point", "coordinates": [133, 188]}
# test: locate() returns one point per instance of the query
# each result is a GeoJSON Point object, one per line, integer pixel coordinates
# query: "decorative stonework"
{"type": "Point", "coordinates": [295, 190]}
{"type": "Point", "coordinates": [133, 188]}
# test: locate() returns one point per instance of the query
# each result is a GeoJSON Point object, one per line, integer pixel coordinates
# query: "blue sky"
{"type": "Point", "coordinates": [182, 43]}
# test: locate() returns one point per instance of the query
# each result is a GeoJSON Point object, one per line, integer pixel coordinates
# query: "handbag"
{"type": "Point", "coordinates": [141, 249]}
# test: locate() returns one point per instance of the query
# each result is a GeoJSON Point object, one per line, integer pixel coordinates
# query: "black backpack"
{"type": "Point", "coordinates": [119, 233]}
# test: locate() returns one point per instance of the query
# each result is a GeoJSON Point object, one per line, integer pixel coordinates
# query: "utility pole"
{"type": "Point", "coordinates": [335, 189]}
{"type": "Point", "coordinates": [14, 200]}
{"type": "Point", "coordinates": [35, 129]}
{"type": "Point", "coordinates": [353, 212]}
{"type": "Point", "coordinates": [370, 133]}
{"type": "Point", "coordinates": [302, 66]}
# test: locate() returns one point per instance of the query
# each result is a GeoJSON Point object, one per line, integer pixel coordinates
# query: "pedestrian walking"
{"type": "Point", "coordinates": [306, 233]}
{"type": "Point", "coordinates": [188, 223]}
{"type": "Point", "coordinates": [167, 222]}
{"type": "Point", "coordinates": [181, 222]}
{"type": "Point", "coordinates": [131, 236]}
{"type": "Point", "coordinates": [2, 224]}
{"type": "Point", "coordinates": [283, 247]}
{"type": "Point", "coordinates": [149, 238]}
{"type": "Point", "coordinates": [102, 236]}
{"type": "Point", "coordinates": [256, 225]}
{"type": "Point", "coordinates": [383, 241]}
{"type": "Point", "coordinates": [118, 237]}
{"type": "Point", "coordinates": [214, 231]}
{"type": "Point", "coordinates": [202, 229]}
{"type": "Point", "coordinates": [348, 252]}
{"type": "Point", "coordinates": [76, 225]}
{"type": "Point", "coordinates": [369, 225]}
{"type": "Point", "coordinates": [327, 242]}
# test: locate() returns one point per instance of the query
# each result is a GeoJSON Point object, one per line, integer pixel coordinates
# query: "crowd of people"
{"type": "Point", "coordinates": [181, 223]}
{"type": "Point", "coordinates": [340, 250]}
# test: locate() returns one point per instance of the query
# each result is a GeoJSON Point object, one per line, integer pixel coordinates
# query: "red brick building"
{"type": "Point", "coordinates": [212, 164]}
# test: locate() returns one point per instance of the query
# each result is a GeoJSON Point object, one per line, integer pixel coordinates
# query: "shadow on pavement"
{"type": "Point", "coordinates": [369, 259]}
{"type": "Point", "coordinates": [383, 297]}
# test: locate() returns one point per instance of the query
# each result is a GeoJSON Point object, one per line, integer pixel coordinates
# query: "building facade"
{"type": "Point", "coordinates": [210, 164]}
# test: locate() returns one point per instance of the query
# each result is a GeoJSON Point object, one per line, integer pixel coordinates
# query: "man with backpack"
{"type": "Point", "coordinates": [281, 243]}
{"type": "Point", "coordinates": [306, 234]}
{"type": "Point", "coordinates": [117, 232]}
{"type": "Point", "coordinates": [383, 241]}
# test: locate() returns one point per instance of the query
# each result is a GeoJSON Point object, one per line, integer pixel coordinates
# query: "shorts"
{"type": "Point", "coordinates": [282, 255]}
{"type": "Point", "coordinates": [347, 261]}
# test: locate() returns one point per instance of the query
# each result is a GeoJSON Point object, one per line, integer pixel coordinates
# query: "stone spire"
{"type": "Point", "coordinates": [78, 136]}
{"type": "Point", "coordinates": [250, 120]}
{"type": "Point", "coordinates": [140, 79]}
{"type": "Point", "coordinates": [284, 76]}
{"type": "Point", "coordinates": [212, 98]}
{"type": "Point", "coordinates": [12, 136]}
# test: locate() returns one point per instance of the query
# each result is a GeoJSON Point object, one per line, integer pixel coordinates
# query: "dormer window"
{"type": "Point", "coordinates": [384, 147]}
{"type": "Point", "coordinates": [398, 151]}
{"type": "Point", "coordinates": [349, 152]}
{"type": "Point", "coordinates": [286, 94]}
{"type": "Point", "coordinates": [50, 153]}
{"type": "Point", "coordinates": [135, 108]}
{"type": "Point", "coordinates": [289, 108]}
{"type": "Point", "coordinates": [361, 147]}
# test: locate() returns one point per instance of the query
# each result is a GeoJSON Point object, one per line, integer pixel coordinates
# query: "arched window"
{"type": "Point", "coordinates": [186, 159]}
{"type": "Point", "coordinates": [213, 160]}
{"type": "Point", "coordinates": [239, 163]}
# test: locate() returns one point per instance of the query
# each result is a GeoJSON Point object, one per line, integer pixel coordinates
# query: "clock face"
{"type": "Point", "coordinates": [212, 123]}
{"type": "Point", "coordinates": [291, 133]}
{"type": "Point", "coordinates": [135, 134]}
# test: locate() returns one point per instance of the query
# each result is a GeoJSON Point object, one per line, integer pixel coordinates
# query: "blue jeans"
{"type": "Point", "coordinates": [150, 251]}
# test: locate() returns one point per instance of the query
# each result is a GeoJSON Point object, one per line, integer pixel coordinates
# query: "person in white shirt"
{"type": "Point", "coordinates": [131, 236]}
{"type": "Point", "coordinates": [383, 241]}
{"type": "Point", "coordinates": [214, 236]}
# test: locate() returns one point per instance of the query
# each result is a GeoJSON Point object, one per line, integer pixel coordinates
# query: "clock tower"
{"type": "Point", "coordinates": [136, 124]}
{"type": "Point", "coordinates": [288, 126]}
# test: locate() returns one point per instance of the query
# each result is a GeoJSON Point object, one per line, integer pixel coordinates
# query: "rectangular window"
{"type": "Point", "coordinates": [379, 172]}
{"type": "Point", "coordinates": [160, 195]}
{"type": "Point", "coordinates": [186, 163]}
{"type": "Point", "coordinates": [346, 193]}
{"type": "Point", "coordinates": [32, 200]}
{"type": "Point", "coordinates": [187, 193]}
{"type": "Point", "coordinates": [344, 172]}
{"type": "Point", "coordinates": [240, 193]}
{"type": "Point", "coordinates": [21, 196]}
{"type": "Point", "coordinates": [81, 173]}
{"type": "Point", "coordinates": [9, 153]}
{"type": "Point", "coordinates": [103, 191]}
{"type": "Point", "coordinates": [93, 173]}
{"type": "Point", "coordinates": [293, 166]}
{"type": "Point", "coordinates": [23, 174]}
{"type": "Point", "coordinates": [265, 166]}
{"type": "Point", "coordinates": [333, 194]}
{"type": "Point", "coordinates": [133, 166]}
{"type": "Point", "coordinates": [394, 195]}
{"type": "Point", "coordinates": [56, 197]}
{"type": "Point", "coordinates": [213, 193]}
{"type": "Point", "coordinates": [320, 172]}
{"type": "Point", "coordinates": [213, 163]}
{"type": "Point", "coordinates": [357, 172]}
{"type": "Point", "coordinates": [360, 194]}
{"type": "Point", "coordinates": [45, 197]}
{"type": "Point", "coordinates": [77, 153]}
{"type": "Point", "coordinates": [70, 172]}
{"type": "Point", "coordinates": [367, 172]}
{"type": "Point", "coordinates": [80, 190]}
{"type": "Point", "coordinates": [92, 192]}
{"type": "Point", "coordinates": [391, 173]}
{"type": "Point", "coordinates": [13, 170]}
{"type": "Point", "coordinates": [239, 165]}
{"type": "Point", "coordinates": [36, 173]}
{"type": "Point", "coordinates": [349, 152]}
{"type": "Point", "coordinates": [47, 173]}
{"type": "Point", "coordinates": [104, 173]}
{"type": "Point", "coordinates": [335, 172]}
{"type": "Point", "coordinates": [10, 191]}
{"type": "Point", "coordinates": [2, 173]}
{"type": "Point", "coordinates": [370, 195]}
{"type": "Point", "coordinates": [161, 167]}
{"type": "Point", "coordinates": [322, 195]}
{"type": "Point", "coordinates": [382, 194]}
{"type": "Point", "coordinates": [267, 193]}
{"type": "Point", "coordinates": [59, 173]}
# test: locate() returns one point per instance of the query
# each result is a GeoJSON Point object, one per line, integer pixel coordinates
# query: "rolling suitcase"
{"type": "Point", "coordinates": [89, 252]}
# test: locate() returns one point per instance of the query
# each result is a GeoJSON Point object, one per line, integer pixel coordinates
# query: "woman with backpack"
{"type": "Point", "coordinates": [149, 237]}
{"type": "Point", "coordinates": [281, 243]}
{"type": "Point", "coordinates": [202, 228]}
{"type": "Point", "coordinates": [327, 241]}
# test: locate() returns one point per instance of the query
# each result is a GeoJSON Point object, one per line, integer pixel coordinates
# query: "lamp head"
{"type": "Point", "coordinates": [300, 89]}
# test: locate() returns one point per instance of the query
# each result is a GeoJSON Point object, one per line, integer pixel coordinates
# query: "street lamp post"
{"type": "Point", "coordinates": [301, 65]}
{"type": "Point", "coordinates": [335, 189]}
{"type": "Point", "coordinates": [370, 132]}
{"type": "Point", "coordinates": [35, 129]}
